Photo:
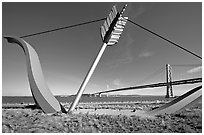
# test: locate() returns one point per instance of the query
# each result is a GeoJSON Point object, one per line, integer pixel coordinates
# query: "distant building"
{"type": "Point", "coordinates": [104, 95]}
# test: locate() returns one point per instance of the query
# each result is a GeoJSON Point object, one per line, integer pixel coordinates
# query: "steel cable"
{"type": "Point", "coordinates": [175, 44]}
{"type": "Point", "coordinates": [61, 28]}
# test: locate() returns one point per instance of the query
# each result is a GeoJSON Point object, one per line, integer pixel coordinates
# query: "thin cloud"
{"type": "Point", "coordinates": [145, 54]}
{"type": "Point", "coordinates": [117, 82]}
{"type": "Point", "coordinates": [127, 57]}
{"type": "Point", "coordinates": [140, 11]}
{"type": "Point", "coordinates": [134, 10]}
{"type": "Point", "coordinates": [195, 70]}
{"type": "Point", "coordinates": [124, 53]}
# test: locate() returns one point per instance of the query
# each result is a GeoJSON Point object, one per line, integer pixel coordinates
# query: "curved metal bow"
{"type": "Point", "coordinates": [39, 89]}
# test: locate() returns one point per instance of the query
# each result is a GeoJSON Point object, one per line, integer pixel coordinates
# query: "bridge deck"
{"type": "Point", "coordinates": [179, 82]}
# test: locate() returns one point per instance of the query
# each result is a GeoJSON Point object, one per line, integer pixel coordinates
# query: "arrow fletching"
{"type": "Point", "coordinates": [113, 26]}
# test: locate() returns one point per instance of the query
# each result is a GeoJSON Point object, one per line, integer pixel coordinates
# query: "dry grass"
{"type": "Point", "coordinates": [27, 120]}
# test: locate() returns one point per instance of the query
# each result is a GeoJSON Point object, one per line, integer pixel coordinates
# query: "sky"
{"type": "Point", "coordinates": [66, 55]}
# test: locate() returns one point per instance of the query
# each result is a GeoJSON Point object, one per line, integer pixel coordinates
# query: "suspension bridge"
{"type": "Point", "coordinates": [168, 84]}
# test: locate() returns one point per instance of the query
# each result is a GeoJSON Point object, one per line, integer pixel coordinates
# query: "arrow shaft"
{"type": "Point", "coordinates": [87, 78]}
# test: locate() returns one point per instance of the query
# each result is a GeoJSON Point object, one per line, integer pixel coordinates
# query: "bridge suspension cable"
{"type": "Point", "coordinates": [154, 74]}
{"type": "Point", "coordinates": [185, 65]}
{"type": "Point", "coordinates": [173, 43]}
{"type": "Point", "coordinates": [61, 28]}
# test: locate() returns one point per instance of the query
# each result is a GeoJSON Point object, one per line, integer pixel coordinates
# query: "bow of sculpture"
{"type": "Point", "coordinates": [39, 89]}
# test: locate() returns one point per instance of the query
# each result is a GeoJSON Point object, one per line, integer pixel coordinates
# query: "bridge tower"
{"type": "Point", "coordinates": [169, 90]}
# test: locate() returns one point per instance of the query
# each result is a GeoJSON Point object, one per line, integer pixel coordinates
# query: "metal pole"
{"type": "Point", "coordinates": [88, 76]}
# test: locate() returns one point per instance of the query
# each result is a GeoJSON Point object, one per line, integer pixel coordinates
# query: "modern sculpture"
{"type": "Point", "coordinates": [110, 33]}
{"type": "Point", "coordinates": [41, 94]}
{"type": "Point", "coordinates": [185, 100]}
